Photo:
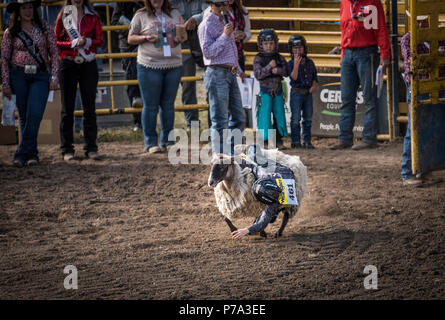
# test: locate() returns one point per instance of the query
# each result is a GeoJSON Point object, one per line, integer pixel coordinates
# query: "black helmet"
{"type": "Point", "coordinates": [297, 40]}
{"type": "Point", "coordinates": [267, 35]}
{"type": "Point", "coordinates": [266, 190]}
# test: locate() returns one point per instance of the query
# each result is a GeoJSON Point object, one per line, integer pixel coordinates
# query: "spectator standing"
{"type": "Point", "coordinates": [29, 70]}
{"type": "Point", "coordinates": [78, 66]}
{"type": "Point", "coordinates": [408, 177]}
{"type": "Point", "coordinates": [192, 12]}
{"type": "Point", "coordinates": [303, 81]}
{"type": "Point", "coordinates": [239, 18]}
{"type": "Point", "coordinates": [360, 59]}
{"type": "Point", "coordinates": [221, 58]}
{"type": "Point", "coordinates": [122, 15]}
{"type": "Point", "coordinates": [269, 68]}
{"type": "Point", "coordinates": [159, 65]}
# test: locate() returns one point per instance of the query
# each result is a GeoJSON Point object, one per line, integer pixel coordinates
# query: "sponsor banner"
{"type": "Point", "coordinates": [327, 103]}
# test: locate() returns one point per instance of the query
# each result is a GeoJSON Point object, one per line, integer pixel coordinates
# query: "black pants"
{"type": "Point", "coordinates": [242, 60]}
{"type": "Point", "coordinates": [129, 66]}
{"type": "Point", "coordinates": [86, 75]}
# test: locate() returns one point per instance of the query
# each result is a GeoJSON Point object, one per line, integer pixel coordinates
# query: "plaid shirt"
{"type": "Point", "coordinates": [405, 45]}
{"type": "Point", "coordinates": [307, 73]}
{"type": "Point", "coordinates": [217, 47]}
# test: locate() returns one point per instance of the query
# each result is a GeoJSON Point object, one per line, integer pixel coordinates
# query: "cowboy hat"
{"type": "Point", "coordinates": [13, 6]}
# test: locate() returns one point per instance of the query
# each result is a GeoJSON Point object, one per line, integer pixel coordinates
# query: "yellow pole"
{"type": "Point", "coordinates": [101, 112]}
{"type": "Point", "coordinates": [389, 78]}
{"type": "Point", "coordinates": [110, 60]}
{"type": "Point", "coordinates": [414, 90]}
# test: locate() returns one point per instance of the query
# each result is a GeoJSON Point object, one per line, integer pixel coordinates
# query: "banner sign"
{"type": "Point", "coordinates": [327, 103]}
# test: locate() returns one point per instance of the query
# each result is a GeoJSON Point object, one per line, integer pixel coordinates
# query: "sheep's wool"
{"type": "Point", "coordinates": [235, 199]}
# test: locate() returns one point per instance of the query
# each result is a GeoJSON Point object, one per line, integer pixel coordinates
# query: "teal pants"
{"type": "Point", "coordinates": [268, 105]}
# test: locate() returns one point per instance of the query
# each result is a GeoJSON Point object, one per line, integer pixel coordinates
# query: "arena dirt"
{"type": "Point", "coordinates": [137, 227]}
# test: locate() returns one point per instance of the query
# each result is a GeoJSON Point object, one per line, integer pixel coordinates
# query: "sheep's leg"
{"type": "Point", "coordinates": [283, 224]}
{"type": "Point", "coordinates": [230, 224]}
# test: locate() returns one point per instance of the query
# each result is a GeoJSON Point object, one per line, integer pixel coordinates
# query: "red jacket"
{"type": "Point", "coordinates": [90, 27]}
{"type": "Point", "coordinates": [353, 31]}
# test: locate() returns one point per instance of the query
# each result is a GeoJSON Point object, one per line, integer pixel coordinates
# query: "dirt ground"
{"type": "Point", "coordinates": [137, 227]}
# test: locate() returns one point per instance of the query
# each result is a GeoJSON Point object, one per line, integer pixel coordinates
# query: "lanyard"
{"type": "Point", "coordinates": [162, 22]}
{"type": "Point", "coordinates": [166, 46]}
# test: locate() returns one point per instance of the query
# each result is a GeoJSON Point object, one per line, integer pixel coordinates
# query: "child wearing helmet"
{"type": "Point", "coordinates": [269, 69]}
{"type": "Point", "coordinates": [303, 81]}
{"type": "Point", "coordinates": [266, 189]}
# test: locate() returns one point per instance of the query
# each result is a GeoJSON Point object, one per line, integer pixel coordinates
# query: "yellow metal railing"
{"type": "Point", "coordinates": [424, 63]}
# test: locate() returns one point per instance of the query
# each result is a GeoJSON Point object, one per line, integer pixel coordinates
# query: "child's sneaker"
{"type": "Point", "coordinates": [308, 145]}
{"type": "Point", "coordinates": [295, 145]}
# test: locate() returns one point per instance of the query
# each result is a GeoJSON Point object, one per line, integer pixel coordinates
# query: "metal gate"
{"type": "Point", "coordinates": [428, 77]}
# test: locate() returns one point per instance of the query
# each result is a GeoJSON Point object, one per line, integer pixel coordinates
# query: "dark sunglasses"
{"type": "Point", "coordinates": [221, 4]}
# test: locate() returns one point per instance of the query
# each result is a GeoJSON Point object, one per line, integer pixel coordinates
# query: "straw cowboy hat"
{"type": "Point", "coordinates": [13, 6]}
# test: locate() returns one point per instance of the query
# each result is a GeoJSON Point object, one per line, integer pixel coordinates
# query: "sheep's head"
{"type": "Point", "coordinates": [220, 169]}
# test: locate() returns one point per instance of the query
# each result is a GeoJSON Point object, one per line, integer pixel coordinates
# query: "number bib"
{"type": "Point", "coordinates": [289, 195]}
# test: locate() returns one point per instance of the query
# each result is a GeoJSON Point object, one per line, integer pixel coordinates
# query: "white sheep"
{"type": "Point", "coordinates": [232, 185]}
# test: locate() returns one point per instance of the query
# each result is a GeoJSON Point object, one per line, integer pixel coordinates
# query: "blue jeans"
{"type": "Point", "coordinates": [158, 89]}
{"type": "Point", "coordinates": [358, 67]}
{"type": "Point", "coordinates": [32, 94]}
{"type": "Point", "coordinates": [301, 106]}
{"type": "Point", "coordinates": [226, 109]}
{"type": "Point", "coordinates": [407, 172]}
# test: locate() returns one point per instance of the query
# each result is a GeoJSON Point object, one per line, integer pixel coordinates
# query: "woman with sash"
{"type": "Point", "coordinates": [29, 71]}
{"type": "Point", "coordinates": [79, 33]}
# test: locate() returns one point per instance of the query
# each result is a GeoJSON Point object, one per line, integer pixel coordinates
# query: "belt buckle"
{"type": "Point", "coordinates": [273, 92]}
{"type": "Point", "coordinates": [79, 59]}
{"type": "Point", "coordinates": [233, 70]}
{"type": "Point", "coordinates": [30, 69]}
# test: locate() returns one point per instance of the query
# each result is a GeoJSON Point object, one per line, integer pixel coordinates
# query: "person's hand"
{"type": "Point", "coordinates": [274, 70]}
{"type": "Point", "coordinates": [239, 35]}
{"type": "Point", "coordinates": [179, 39]}
{"type": "Point", "coordinates": [297, 60]}
{"type": "Point", "coordinates": [228, 29]}
{"type": "Point", "coordinates": [272, 63]}
{"type": "Point", "coordinates": [190, 24]}
{"type": "Point", "coordinates": [240, 233]}
{"type": "Point", "coordinates": [7, 92]}
{"type": "Point", "coordinates": [151, 38]}
{"type": "Point", "coordinates": [242, 75]}
{"type": "Point", "coordinates": [312, 89]}
{"type": "Point", "coordinates": [81, 42]}
{"type": "Point", "coordinates": [53, 84]}
{"type": "Point", "coordinates": [384, 63]}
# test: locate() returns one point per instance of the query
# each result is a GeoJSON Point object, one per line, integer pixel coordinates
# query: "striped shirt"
{"type": "Point", "coordinates": [217, 47]}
